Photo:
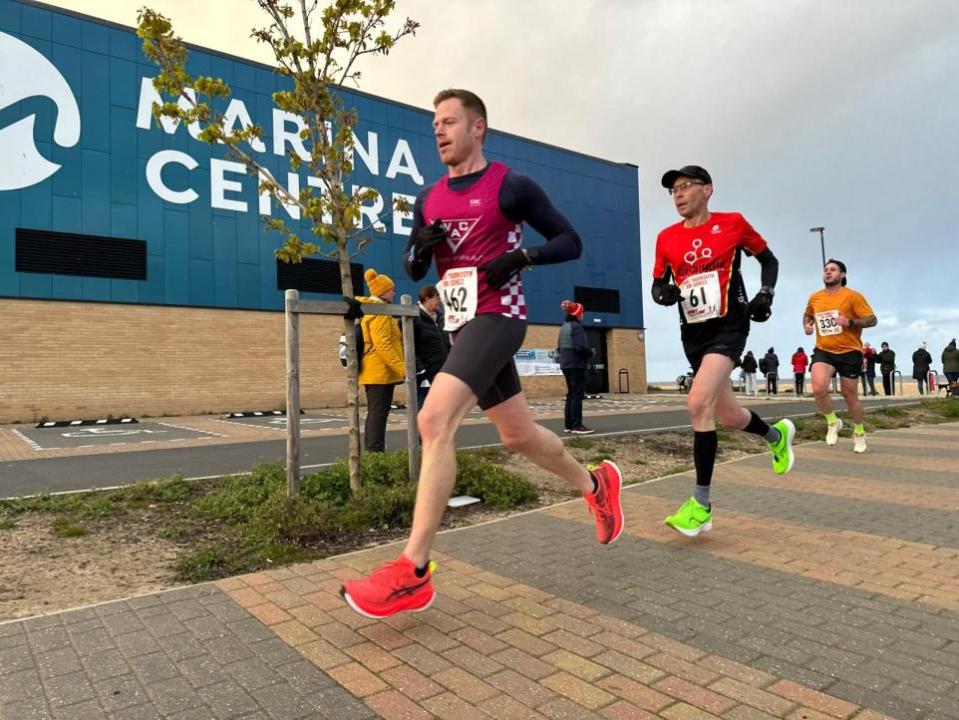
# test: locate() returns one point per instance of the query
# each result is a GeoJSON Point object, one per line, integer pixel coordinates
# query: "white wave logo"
{"type": "Point", "coordinates": [25, 73]}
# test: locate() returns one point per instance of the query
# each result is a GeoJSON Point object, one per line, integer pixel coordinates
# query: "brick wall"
{"type": "Point", "coordinates": [65, 360]}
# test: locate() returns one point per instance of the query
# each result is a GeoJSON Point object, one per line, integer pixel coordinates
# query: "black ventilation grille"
{"type": "Point", "coordinates": [318, 276]}
{"type": "Point", "coordinates": [60, 253]}
{"type": "Point", "coordinates": [597, 299]}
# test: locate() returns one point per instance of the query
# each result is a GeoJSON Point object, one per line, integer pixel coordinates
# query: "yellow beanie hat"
{"type": "Point", "coordinates": [379, 284]}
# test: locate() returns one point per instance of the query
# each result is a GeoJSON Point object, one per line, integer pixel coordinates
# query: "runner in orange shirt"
{"type": "Point", "coordinates": [837, 315]}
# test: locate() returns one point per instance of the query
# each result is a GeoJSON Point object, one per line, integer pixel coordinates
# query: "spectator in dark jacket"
{"type": "Point", "coordinates": [749, 372]}
{"type": "Point", "coordinates": [921, 361]}
{"type": "Point", "coordinates": [771, 363]}
{"type": "Point", "coordinates": [574, 354]}
{"type": "Point", "coordinates": [430, 340]}
{"type": "Point", "coordinates": [887, 366]}
{"type": "Point", "coordinates": [869, 357]}
{"type": "Point", "coordinates": [950, 363]}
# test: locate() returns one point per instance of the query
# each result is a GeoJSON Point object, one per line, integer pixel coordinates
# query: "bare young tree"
{"type": "Point", "coordinates": [317, 49]}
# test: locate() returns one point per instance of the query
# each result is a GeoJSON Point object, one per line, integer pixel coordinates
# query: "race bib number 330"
{"type": "Point", "coordinates": [702, 298]}
{"type": "Point", "coordinates": [458, 290]}
{"type": "Point", "coordinates": [827, 323]}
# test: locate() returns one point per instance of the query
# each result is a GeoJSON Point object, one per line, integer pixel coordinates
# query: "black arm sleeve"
{"type": "Point", "coordinates": [417, 269]}
{"type": "Point", "coordinates": [769, 272]}
{"type": "Point", "coordinates": [522, 200]}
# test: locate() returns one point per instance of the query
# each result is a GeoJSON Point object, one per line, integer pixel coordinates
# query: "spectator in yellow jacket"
{"type": "Point", "coordinates": [382, 367]}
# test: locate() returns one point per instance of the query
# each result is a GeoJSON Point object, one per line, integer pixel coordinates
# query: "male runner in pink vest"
{"type": "Point", "coordinates": [471, 223]}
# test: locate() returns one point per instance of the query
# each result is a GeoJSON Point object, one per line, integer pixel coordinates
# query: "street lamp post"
{"type": "Point", "coordinates": [822, 242]}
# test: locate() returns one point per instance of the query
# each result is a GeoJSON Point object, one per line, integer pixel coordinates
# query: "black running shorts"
{"type": "Point", "coordinates": [482, 357]}
{"type": "Point", "coordinates": [730, 343]}
{"type": "Point", "coordinates": [847, 364]}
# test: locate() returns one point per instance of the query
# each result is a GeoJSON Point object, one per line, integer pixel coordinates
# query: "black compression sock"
{"type": "Point", "coordinates": [595, 483]}
{"type": "Point", "coordinates": [758, 426]}
{"type": "Point", "coordinates": [421, 571]}
{"type": "Point", "coordinates": [705, 445]}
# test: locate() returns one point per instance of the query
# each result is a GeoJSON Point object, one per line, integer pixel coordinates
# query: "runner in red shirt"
{"type": "Point", "coordinates": [697, 266]}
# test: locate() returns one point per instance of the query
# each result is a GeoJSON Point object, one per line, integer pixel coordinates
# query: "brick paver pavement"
{"type": "Point", "coordinates": [831, 593]}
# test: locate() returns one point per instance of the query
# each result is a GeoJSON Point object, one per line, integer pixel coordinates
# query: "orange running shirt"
{"type": "Point", "coordinates": [824, 308]}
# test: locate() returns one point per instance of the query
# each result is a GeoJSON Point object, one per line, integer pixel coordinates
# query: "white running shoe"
{"type": "Point", "coordinates": [859, 443]}
{"type": "Point", "coordinates": [832, 432]}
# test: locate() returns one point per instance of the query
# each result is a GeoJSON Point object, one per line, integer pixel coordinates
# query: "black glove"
{"type": "Point", "coordinates": [667, 294]}
{"type": "Point", "coordinates": [761, 306]}
{"type": "Point", "coordinates": [502, 269]}
{"type": "Point", "coordinates": [426, 238]}
{"type": "Point", "coordinates": [354, 311]}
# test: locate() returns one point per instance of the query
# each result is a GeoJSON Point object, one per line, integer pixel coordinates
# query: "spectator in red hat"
{"type": "Point", "coordinates": [574, 354]}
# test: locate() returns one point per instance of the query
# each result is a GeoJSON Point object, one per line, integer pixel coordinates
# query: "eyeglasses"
{"type": "Point", "coordinates": [684, 186]}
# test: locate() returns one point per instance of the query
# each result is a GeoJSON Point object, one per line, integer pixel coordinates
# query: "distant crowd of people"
{"type": "Point", "coordinates": [885, 358]}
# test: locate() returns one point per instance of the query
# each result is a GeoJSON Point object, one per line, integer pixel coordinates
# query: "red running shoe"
{"type": "Point", "coordinates": [391, 588]}
{"type": "Point", "coordinates": [605, 503]}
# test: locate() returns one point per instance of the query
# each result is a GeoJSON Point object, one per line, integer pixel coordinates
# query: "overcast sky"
{"type": "Point", "coordinates": [840, 114]}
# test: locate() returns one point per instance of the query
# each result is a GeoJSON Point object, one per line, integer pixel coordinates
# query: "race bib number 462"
{"type": "Point", "coordinates": [458, 291]}
{"type": "Point", "coordinates": [827, 323]}
{"type": "Point", "coordinates": [702, 298]}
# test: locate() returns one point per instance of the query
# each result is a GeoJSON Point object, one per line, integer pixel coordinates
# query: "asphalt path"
{"type": "Point", "coordinates": [65, 474]}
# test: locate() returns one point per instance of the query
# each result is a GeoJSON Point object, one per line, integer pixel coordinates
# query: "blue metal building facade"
{"type": "Point", "coordinates": [209, 248]}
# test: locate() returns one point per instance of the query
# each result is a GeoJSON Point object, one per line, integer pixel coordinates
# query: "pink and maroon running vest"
{"type": "Point", "coordinates": [477, 232]}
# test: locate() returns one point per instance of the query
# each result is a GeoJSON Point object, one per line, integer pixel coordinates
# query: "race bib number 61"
{"type": "Point", "coordinates": [458, 291]}
{"type": "Point", "coordinates": [701, 297]}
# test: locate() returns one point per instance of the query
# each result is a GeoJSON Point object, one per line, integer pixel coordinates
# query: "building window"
{"type": "Point", "coordinates": [60, 253]}
{"type": "Point", "coordinates": [597, 299]}
{"type": "Point", "coordinates": [316, 276]}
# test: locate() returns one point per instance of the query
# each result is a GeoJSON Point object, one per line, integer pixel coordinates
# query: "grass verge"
{"type": "Point", "coordinates": [246, 522]}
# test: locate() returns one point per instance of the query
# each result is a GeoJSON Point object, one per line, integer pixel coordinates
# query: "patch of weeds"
{"type": "Point", "coordinates": [493, 484]}
{"type": "Point", "coordinates": [7, 522]}
{"type": "Point", "coordinates": [64, 528]}
{"type": "Point", "coordinates": [239, 496]}
{"type": "Point", "coordinates": [222, 559]}
{"type": "Point", "coordinates": [493, 454]}
{"type": "Point", "coordinates": [174, 490]}
{"type": "Point", "coordinates": [724, 436]}
{"type": "Point", "coordinates": [810, 428]}
{"type": "Point", "coordinates": [253, 523]}
{"type": "Point", "coordinates": [581, 443]}
{"type": "Point", "coordinates": [669, 445]}
{"type": "Point", "coordinates": [892, 411]}
{"type": "Point", "coordinates": [597, 455]}
{"type": "Point", "coordinates": [85, 504]}
{"type": "Point", "coordinates": [654, 389]}
{"type": "Point", "coordinates": [182, 532]}
{"type": "Point", "coordinates": [947, 408]}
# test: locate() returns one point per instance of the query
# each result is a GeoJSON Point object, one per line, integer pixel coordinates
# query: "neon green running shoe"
{"type": "Point", "coordinates": [783, 456]}
{"type": "Point", "coordinates": [691, 519]}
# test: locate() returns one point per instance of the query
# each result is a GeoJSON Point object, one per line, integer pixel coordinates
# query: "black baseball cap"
{"type": "Point", "coordinates": [691, 171]}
